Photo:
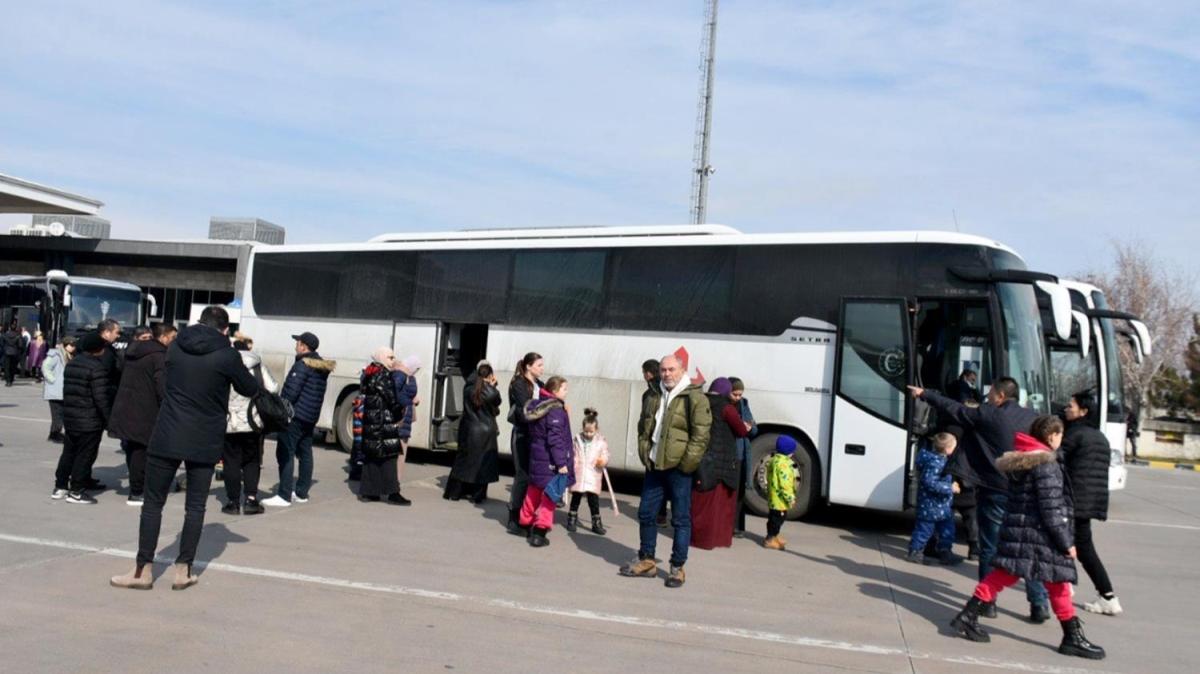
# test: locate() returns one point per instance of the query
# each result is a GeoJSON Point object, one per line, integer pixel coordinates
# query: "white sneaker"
{"type": "Point", "coordinates": [58, 494]}
{"type": "Point", "coordinates": [276, 501]}
{"type": "Point", "coordinates": [1104, 606]}
{"type": "Point", "coordinates": [297, 499]}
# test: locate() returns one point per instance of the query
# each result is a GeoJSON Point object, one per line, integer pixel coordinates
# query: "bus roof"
{"type": "Point", "coordinates": [668, 235]}
{"type": "Point", "coordinates": [85, 280]}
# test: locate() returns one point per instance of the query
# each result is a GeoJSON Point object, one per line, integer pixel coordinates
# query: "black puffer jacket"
{"type": "Point", "coordinates": [201, 366]}
{"type": "Point", "coordinates": [380, 434]}
{"type": "Point", "coordinates": [1038, 527]}
{"type": "Point", "coordinates": [142, 387]}
{"type": "Point", "coordinates": [305, 386]}
{"type": "Point", "coordinates": [87, 394]}
{"type": "Point", "coordinates": [719, 465]}
{"type": "Point", "coordinates": [1085, 455]}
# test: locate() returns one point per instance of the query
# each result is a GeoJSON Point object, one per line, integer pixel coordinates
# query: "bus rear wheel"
{"type": "Point", "coordinates": [343, 422]}
{"type": "Point", "coordinates": [761, 449]}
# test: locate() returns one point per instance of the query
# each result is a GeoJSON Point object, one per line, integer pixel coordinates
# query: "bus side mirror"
{"type": "Point", "coordinates": [1143, 335]}
{"type": "Point", "coordinates": [1085, 333]}
{"type": "Point", "coordinates": [66, 296]}
{"type": "Point", "coordinates": [1060, 307]}
{"type": "Point", "coordinates": [153, 306]}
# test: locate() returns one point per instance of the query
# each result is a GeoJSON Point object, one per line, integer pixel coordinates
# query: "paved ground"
{"type": "Point", "coordinates": [336, 585]}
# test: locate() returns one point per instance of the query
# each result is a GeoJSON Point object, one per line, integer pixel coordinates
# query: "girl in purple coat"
{"type": "Point", "coordinates": [550, 452]}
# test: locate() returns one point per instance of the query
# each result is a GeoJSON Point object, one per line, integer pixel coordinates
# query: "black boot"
{"type": "Point", "coordinates": [989, 609]}
{"type": "Point", "coordinates": [598, 526]}
{"type": "Point", "coordinates": [572, 522]}
{"type": "Point", "coordinates": [514, 524]}
{"type": "Point", "coordinates": [972, 552]}
{"type": "Point", "coordinates": [1038, 613]}
{"type": "Point", "coordinates": [1075, 643]}
{"type": "Point", "coordinates": [966, 623]}
{"type": "Point", "coordinates": [537, 538]}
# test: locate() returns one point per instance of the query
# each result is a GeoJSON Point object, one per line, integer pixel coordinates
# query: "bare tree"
{"type": "Point", "coordinates": [1163, 295]}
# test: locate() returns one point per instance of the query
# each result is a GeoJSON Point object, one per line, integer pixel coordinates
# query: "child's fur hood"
{"type": "Point", "coordinates": [540, 408]}
{"type": "Point", "coordinates": [1013, 462]}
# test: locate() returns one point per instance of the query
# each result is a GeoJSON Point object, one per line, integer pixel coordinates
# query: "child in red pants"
{"type": "Point", "coordinates": [1036, 541]}
{"type": "Point", "coordinates": [551, 452]}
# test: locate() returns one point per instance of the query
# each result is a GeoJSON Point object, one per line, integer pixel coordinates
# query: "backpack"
{"type": "Point", "coordinates": [275, 413]}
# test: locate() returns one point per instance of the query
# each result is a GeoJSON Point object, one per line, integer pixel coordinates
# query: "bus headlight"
{"type": "Point", "coordinates": [1117, 458]}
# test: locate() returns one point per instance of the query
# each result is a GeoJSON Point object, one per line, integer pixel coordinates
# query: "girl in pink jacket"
{"type": "Point", "coordinates": [591, 456]}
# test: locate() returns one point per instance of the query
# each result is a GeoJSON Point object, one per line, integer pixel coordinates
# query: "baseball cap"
{"type": "Point", "coordinates": [308, 339]}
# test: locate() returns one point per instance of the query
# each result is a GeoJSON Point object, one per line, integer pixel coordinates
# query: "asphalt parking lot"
{"type": "Point", "coordinates": [338, 585]}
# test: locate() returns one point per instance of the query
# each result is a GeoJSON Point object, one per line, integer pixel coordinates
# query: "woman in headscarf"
{"type": "Point", "coordinates": [380, 433]}
{"type": "Point", "coordinates": [715, 489]}
{"type": "Point", "coordinates": [478, 461]}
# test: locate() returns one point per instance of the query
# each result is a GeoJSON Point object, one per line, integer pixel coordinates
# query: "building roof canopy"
{"type": "Point", "coordinates": [22, 196]}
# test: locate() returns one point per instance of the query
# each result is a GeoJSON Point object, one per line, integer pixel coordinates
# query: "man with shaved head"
{"type": "Point", "coordinates": [673, 433]}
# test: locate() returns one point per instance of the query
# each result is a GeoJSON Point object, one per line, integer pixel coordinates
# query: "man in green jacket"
{"type": "Point", "coordinates": [673, 433]}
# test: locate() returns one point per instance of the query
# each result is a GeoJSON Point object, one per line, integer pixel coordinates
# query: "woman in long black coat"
{"type": "Point", "coordinates": [380, 434]}
{"type": "Point", "coordinates": [478, 461]}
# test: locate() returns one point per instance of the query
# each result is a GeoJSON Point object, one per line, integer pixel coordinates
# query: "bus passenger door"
{"type": "Point", "coordinates": [869, 443]}
{"type": "Point", "coordinates": [460, 347]}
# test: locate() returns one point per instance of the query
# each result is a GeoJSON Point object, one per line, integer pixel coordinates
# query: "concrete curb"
{"type": "Point", "coordinates": [1169, 465]}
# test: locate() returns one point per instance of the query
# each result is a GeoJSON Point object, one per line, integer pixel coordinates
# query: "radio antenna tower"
{"type": "Point", "coordinates": [701, 169]}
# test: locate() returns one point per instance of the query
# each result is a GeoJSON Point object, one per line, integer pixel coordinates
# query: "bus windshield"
{"type": "Point", "coordinates": [91, 304]}
{"type": "Point", "coordinates": [1023, 344]}
{"type": "Point", "coordinates": [1112, 363]}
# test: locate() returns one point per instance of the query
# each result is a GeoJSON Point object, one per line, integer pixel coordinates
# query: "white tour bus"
{"type": "Point", "coordinates": [1090, 361]}
{"type": "Point", "coordinates": [823, 328]}
{"type": "Point", "coordinates": [60, 304]}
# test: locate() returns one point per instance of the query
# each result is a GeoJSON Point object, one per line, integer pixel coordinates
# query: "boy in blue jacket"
{"type": "Point", "coordinates": [934, 498]}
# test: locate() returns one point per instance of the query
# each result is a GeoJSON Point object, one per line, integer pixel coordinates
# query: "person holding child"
{"type": "Point", "coordinates": [550, 454]}
{"type": "Point", "coordinates": [1036, 539]}
{"type": "Point", "coordinates": [715, 487]}
{"type": "Point", "coordinates": [935, 493]}
{"type": "Point", "coordinates": [591, 457]}
{"type": "Point", "coordinates": [781, 490]}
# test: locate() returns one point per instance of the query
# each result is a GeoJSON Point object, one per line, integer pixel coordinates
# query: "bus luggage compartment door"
{"type": "Point", "coordinates": [869, 443]}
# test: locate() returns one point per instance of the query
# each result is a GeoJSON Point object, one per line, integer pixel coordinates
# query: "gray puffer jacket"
{"type": "Point", "coordinates": [239, 405]}
{"type": "Point", "coordinates": [1038, 528]}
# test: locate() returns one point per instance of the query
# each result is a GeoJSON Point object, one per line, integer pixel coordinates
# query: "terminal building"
{"type": "Point", "coordinates": [66, 234]}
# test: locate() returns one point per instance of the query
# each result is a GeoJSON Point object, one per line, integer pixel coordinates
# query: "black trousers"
{"type": "Point", "coordinates": [970, 523]}
{"type": "Point", "coordinates": [1089, 559]}
{"type": "Point", "coordinates": [592, 499]}
{"type": "Point", "coordinates": [775, 519]}
{"type": "Point", "coordinates": [520, 452]}
{"type": "Point", "coordinates": [160, 472]}
{"type": "Point", "coordinates": [56, 416]}
{"type": "Point", "coordinates": [10, 369]}
{"type": "Point", "coordinates": [243, 455]}
{"type": "Point", "coordinates": [135, 463]}
{"type": "Point", "coordinates": [75, 463]}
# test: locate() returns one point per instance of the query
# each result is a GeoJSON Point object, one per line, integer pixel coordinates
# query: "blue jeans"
{"type": "Point", "coordinates": [991, 508]}
{"type": "Point", "coordinates": [924, 529]}
{"type": "Point", "coordinates": [295, 444]}
{"type": "Point", "coordinates": [676, 487]}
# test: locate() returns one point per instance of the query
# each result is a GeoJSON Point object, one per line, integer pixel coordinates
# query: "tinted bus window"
{"type": "Point", "coordinates": [558, 288]}
{"type": "Point", "coordinates": [465, 286]}
{"type": "Point", "coordinates": [377, 284]}
{"type": "Point", "coordinates": [297, 284]}
{"type": "Point", "coordinates": [671, 289]}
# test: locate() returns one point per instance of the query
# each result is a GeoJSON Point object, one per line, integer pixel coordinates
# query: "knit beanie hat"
{"type": "Point", "coordinates": [785, 445]}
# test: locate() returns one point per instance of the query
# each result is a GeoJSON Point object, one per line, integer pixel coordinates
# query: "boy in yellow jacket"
{"type": "Point", "coordinates": [781, 490]}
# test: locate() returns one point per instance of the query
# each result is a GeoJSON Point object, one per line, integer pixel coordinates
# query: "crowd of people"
{"type": "Point", "coordinates": [1030, 486]}
{"type": "Point", "coordinates": [22, 353]}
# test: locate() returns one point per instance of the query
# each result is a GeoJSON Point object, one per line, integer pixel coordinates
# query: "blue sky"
{"type": "Point", "coordinates": [1052, 127]}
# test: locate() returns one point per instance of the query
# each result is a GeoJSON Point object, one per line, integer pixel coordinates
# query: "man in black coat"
{"type": "Point", "coordinates": [989, 431]}
{"type": "Point", "coordinates": [200, 367]}
{"type": "Point", "coordinates": [139, 396]}
{"type": "Point", "coordinates": [87, 404]}
{"type": "Point", "coordinates": [11, 351]}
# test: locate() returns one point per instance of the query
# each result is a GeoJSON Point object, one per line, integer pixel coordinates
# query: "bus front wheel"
{"type": "Point", "coordinates": [761, 449]}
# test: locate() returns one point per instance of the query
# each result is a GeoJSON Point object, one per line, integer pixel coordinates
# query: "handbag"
{"type": "Point", "coordinates": [556, 489]}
